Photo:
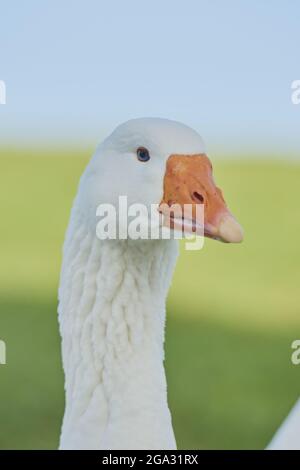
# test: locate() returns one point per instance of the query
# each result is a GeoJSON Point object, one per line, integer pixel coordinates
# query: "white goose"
{"type": "Point", "coordinates": [112, 292]}
{"type": "Point", "coordinates": [287, 437]}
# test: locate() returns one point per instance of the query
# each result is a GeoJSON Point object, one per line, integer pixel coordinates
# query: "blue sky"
{"type": "Point", "coordinates": [74, 69]}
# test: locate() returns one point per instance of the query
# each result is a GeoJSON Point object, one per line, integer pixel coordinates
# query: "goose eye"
{"type": "Point", "coordinates": [142, 154]}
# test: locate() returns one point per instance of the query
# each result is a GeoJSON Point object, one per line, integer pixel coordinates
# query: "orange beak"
{"type": "Point", "coordinates": [189, 180]}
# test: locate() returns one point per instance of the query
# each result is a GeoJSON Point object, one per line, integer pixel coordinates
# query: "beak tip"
{"type": "Point", "coordinates": [230, 230]}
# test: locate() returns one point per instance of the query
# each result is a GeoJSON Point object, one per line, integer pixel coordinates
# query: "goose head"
{"type": "Point", "coordinates": [163, 162]}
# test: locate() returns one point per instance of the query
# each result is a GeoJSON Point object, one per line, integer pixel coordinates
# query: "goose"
{"type": "Point", "coordinates": [112, 292]}
{"type": "Point", "coordinates": [287, 436]}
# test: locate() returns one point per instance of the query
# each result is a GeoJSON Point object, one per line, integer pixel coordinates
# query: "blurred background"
{"type": "Point", "coordinates": [73, 71]}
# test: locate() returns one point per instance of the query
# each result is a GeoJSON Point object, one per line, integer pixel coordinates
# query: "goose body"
{"type": "Point", "coordinates": [287, 436]}
{"type": "Point", "coordinates": [112, 291]}
{"type": "Point", "coordinates": [113, 345]}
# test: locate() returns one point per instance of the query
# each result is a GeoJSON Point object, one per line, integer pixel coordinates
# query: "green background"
{"type": "Point", "coordinates": [233, 310]}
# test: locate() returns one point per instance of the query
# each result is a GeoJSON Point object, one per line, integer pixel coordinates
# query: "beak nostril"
{"type": "Point", "coordinates": [198, 197]}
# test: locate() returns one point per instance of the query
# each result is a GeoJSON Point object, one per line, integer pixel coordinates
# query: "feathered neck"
{"type": "Point", "coordinates": [112, 313]}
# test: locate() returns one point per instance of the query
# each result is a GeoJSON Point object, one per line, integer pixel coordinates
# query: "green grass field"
{"type": "Point", "coordinates": [233, 311]}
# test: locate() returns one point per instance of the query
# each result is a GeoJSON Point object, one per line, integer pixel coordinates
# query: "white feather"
{"type": "Point", "coordinates": [288, 435]}
{"type": "Point", "coordinates": [112, 299]}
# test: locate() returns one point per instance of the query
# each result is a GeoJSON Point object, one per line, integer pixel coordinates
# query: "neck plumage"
{"type": "Point", "coordinates": [112, 314]}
